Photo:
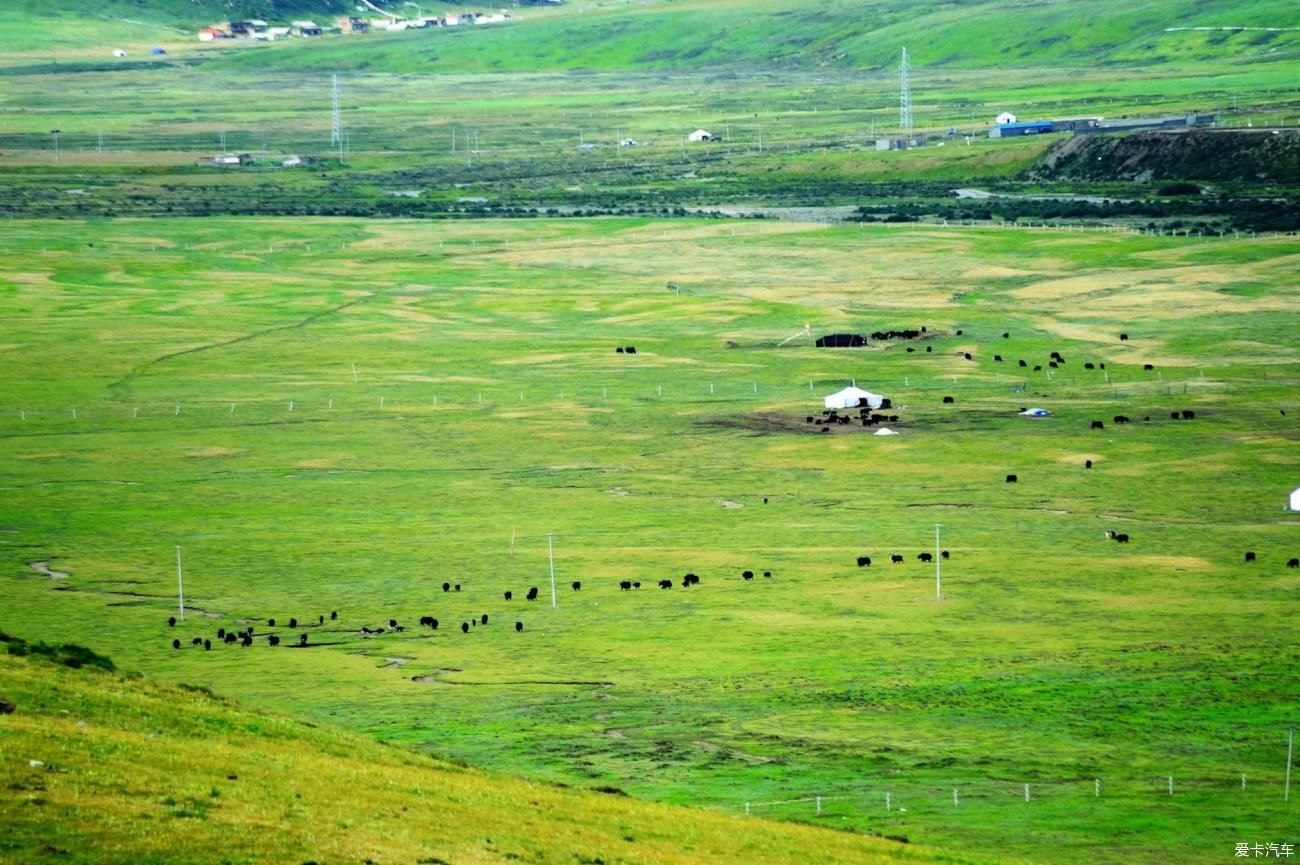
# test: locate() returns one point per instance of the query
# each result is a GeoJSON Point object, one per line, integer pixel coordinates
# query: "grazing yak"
{"type": "Point", "coordinates": [176, 644]}
{"type": "Point", "coordinates": [896, 559]}
{"type": "Point", "coordinates": [1011, 479]}
{"type": "Point", "coordinates": [1097, 425]}
{"type": "Point", "coordinates": [577, 586]}
{"type": "Point", "coordinates": [944, 554]}
{"type": "Point", "coordinates": [446, 587]}
{"type": "Point", "coordinates": [532, 594]}
{"type": "Point", "coordinates": [1250, 557]}
{"type": "Point", "coordinates": [510, 596]}
{"type": "Point", "coordinates": [925, 557]}
{"type": "Point", "coordinates": [864, 561]}
{"type": "Point", "coordinates": [171, 622]}
{"type": "Point", "coordinates": [948, 400]}
{"type": "Point", "coordinates": [1087, 464]}
{"type": "Point", "coordinates": [1293, 563]}
{"type": "Point", "coordinates": [273, 640]}
{"type": "Point", "coordinates": [748, 575]}
{"type": "Point", "coordinates": [302, 639]}
{"type": "Point", "coordinates": [665, 584]}
{"type": "Point", "coordinates": [519, 626]}
{"type": "Point", "coordinates": [464, 627]}
{"type": "Point", "coordinates": [334, 615]}
{"type": "Point", "coordinates": [625, 585]}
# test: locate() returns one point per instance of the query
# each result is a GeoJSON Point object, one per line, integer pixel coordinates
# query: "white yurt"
{"type": "Point", "coordinates": [851, 397]}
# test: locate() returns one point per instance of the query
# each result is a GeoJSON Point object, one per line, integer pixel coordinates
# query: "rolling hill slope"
{"type": "Point", "coordinates": [708, 34]}
{"type": "Point", "coordinates": [100, 767]}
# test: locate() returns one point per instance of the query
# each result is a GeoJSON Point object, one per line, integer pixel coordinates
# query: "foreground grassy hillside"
{"type": "Point", "coordinates": [102, 768]}
{"type": "Point", "coordinates": [343, 415]}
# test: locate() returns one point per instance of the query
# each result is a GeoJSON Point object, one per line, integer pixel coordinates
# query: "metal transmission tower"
{"type": "Point", "coordinates": [336, 117]}
{"type": "Point", "coordinates": [905, 97]}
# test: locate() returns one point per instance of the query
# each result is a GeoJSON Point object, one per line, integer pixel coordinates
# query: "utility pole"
{"type": "Point", "coordinates": [336, 117]}
{"type": "Point", "coordinates": [938, 566]}
{"type": "Point", "coordinates": [1290, 741]}
{"type": "Point", "coordinates": [180, 584]}
{"type": "Point", "coordinates": [550, 551]}
{"type": "Point", "coordinates": [905, 97]}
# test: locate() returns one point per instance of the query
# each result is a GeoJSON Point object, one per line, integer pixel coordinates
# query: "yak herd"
{"type": "Point", "coordinates": [245, 636]}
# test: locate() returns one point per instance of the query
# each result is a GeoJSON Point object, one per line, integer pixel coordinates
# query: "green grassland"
{"type": "Point", "coordinates": [191, 382]}
{"type": "Point", "coordinates": [105, 768]}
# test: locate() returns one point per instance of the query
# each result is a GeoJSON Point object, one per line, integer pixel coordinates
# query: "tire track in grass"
{"type": "Point", "coordinates": [121, 384]}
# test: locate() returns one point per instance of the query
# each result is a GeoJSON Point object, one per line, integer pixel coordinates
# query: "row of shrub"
{"type": "Point", "coordinates": [67, 654]}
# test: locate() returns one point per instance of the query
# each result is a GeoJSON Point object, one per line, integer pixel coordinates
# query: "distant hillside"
{"type": "Point", "coordinates": [710, 34]}
{"type": "Point", "coordinates": [102, 768]}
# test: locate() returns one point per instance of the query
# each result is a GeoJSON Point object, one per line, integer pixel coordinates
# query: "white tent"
{"type": "Point", "coordinates": [851, 397]}
{"type": "Point", "coordinates": [1295, 499]}
{"type": "Point", "coordinates": [884, 431]}
{"type": "Point", "coordinates": [1036, 412]}
{"type": "Point", "coordinates": [1004, 118]}
{"type": "Point", "coordinates": [701, 135]}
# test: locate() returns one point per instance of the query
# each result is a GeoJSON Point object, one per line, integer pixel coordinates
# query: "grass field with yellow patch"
{"type": "Point", "coordinates": [343, 415]}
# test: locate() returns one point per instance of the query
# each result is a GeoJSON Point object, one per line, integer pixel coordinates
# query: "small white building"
{"type": "Point", "coordinates": [701, 135]}
{"type": "Point", "coordinates": [1004, 118]}
{"type": "Point", "coordinates": [1295, 499]}
{"type": "Point", "coordinates": [118, 52]}
{"type": "Point", "coordinates": [852, 397]}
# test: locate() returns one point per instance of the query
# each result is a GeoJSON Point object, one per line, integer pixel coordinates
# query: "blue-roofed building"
{"type": "Point", "coordinates": [1011, 130]}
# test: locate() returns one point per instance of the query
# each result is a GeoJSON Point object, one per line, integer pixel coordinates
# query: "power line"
{"type": "Point", "coordinates": [905, 96]}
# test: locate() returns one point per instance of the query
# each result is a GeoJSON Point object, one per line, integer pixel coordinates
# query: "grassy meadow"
{"type": "Point", "coordinates": [345, 414]}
